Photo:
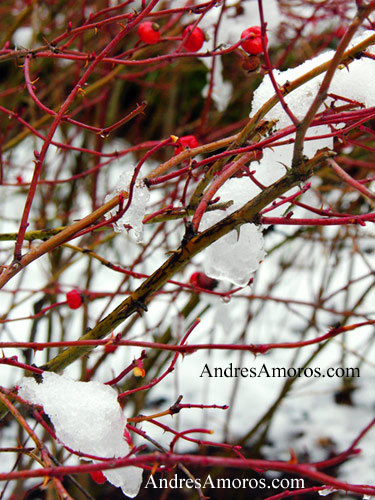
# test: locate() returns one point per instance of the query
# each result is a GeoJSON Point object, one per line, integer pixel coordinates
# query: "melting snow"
{"type": "Point", "coordinates": [135, 213]}
{"type": "Point", "coordinates": [236, 256]}
{"type": "Point", "coordinates": [87, 418]}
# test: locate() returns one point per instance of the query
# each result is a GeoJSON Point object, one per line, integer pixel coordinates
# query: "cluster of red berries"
{"type": "Point", "coordinates": [253, 45]}
{"type": "Point", "coordinates": [149, 33]}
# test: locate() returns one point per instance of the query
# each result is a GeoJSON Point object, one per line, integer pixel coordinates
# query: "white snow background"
{"type": "Point", "coordinates": [309, 413]}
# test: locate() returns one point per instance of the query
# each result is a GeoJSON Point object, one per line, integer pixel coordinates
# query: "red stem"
{"type": "Point", "coordinates": [191, 348]}
{"type": "Point", "coordinates": [57, 120]}
{"type": "Point", "coordinates": [351, 219]}
{"type": "Point", "coordinates": [267, 60]}
{"type": "Point", "coordinates": [349, 180]}
{"type": "Point", "coordinates": [170, 459]}
{"type": "Point", "coordinates": [167, 371]}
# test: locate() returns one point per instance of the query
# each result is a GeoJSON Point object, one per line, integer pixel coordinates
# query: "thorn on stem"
{"type": "Point", "coordinates": [190, 232]}
{"type": "Point", "coordinates": [140, 306]}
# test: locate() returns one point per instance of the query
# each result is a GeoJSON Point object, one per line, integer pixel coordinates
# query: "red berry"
{"type": "Point", "coordinates": [98, 476]}
{"type": "Point", "coordinates": [195, 40]}
{"type": "Point", "coordinates": [194, 278]}
{"type": "Point", "coordinates": [74, 299]}
{"type": "Point", "coordinates": [110, 347]}
{"type": "Point", "coordinates": [187, 141]}
{"type": "Point", "coordinates": [253, 45]}
{"type": "Point", "coordinates": [339, 32]}
{"type": "Point", "coordinates": [203, 281]}
{"type": "Point", "coordinates": [149, 32]}
{"type": "Point", "coordinates": [112, 343]}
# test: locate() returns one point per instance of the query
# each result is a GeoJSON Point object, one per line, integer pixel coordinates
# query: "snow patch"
{"type": "Point", "coordinates": [238, 254]}
{"type": "Point", "coordinates": [87, 418]}
{"type": "Point", "coordinates": [135, 213]}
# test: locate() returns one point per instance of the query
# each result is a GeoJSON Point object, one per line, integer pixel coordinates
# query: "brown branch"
{"type": "Point", "coordinates": [179, 258]}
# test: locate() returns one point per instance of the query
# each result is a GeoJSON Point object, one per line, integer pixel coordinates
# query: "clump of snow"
{"type": "Point", "coordinates": [87, 418]}
{"type": "Point", "coordinates": [22, 37]}
{"type": "Point", "coordinates": [238, 254]}
{"type": "Point", "coordinates": [352, 82]}
{"type": "Point", "coordinates": [135, 213]}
